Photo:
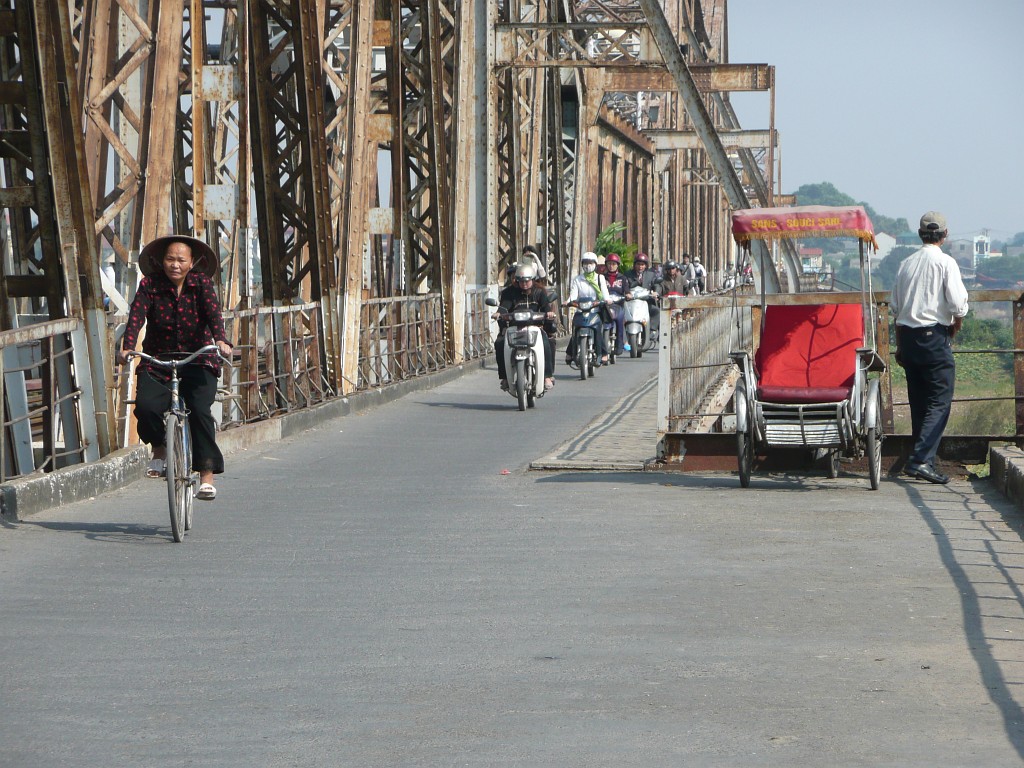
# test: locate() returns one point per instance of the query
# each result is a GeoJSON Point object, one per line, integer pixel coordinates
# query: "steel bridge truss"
{"type": "Point", "coordinates": [337, 155]}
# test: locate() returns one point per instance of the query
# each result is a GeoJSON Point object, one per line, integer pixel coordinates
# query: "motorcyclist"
{"type": "Point", "coordinates": [729, 279]}
{"type": "Point", "coordinates": [686, 269]}
{"type": "Point", "coordinates": [701, 275]}
{"type": "Point", "coordinates": [588, 285]}
{"type": "Point", "coordinates": [618, 285]}
{"type": "Point", "coordinates": [672, 282]}
{"type": "Point", "coordinates": [642, 276]}
{"type": "Point", "coordinates": [524, 294]}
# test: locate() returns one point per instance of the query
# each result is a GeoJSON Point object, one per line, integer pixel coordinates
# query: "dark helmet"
{"type": "Point", "coordinates": [510, 270]}
{"type": "Point", "coordinates": [670, 265]}
{"type": "Point", "coordinates": [641, 258]}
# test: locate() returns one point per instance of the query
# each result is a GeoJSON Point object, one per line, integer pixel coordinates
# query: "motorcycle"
{"type": "Point", "coordinates": [611, 329]}
{"type": "Point", "coordinates": [586, 324]}
{"type": "Point", "coordinates": [524, 354]}
{"type": "Point", "coordinates": [638, 321]}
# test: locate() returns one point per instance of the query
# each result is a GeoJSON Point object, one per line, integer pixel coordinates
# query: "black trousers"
{"type": "Point", "coordinates": [198, 389]}
{"type": "Point", "coordinates": [549, 355]}
{"type": "Point", "coordinates": [927, 358]}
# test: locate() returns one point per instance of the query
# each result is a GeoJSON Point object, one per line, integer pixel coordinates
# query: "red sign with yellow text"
{"type": "Point", "coordinates": [806, 221]}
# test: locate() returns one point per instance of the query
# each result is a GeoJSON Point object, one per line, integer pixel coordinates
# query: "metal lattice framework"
{"type": "Point", "coordinates": [346, 135]}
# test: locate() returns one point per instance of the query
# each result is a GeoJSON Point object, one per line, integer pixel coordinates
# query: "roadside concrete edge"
{"type": "Point", "coordinates": [1006, 472]}
{"type": "Point", "coordinates": [26, 496]}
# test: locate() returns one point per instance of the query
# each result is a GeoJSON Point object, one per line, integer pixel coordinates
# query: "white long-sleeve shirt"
{"type": "Point", "coordinates": [928, 290]}
{"type": "Point", "coordinates": [581, 290]}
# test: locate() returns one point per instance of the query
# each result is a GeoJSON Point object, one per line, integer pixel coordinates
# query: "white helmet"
{"type": "Point", "coordinates": [696, 259]}
{"type": "Point", "coordinates": [526, 272]}
{"type": "Point", "coordinates": [589, 256]}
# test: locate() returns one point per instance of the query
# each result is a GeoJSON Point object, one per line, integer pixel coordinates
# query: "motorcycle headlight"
{"type": "Point", "coordinates": [522, 317]}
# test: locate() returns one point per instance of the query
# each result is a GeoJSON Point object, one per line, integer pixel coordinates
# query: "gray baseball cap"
{"type": "Point", "coordinates": [933, 221]}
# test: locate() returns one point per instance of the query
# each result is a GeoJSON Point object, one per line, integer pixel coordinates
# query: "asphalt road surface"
{"type": "Point", "coordinates": [399, 589]}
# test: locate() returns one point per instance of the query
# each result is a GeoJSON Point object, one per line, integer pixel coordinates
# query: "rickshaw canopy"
{"type": "Point", "coordinates": [804, 221]}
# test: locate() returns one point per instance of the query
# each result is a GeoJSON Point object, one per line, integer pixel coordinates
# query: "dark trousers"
{"type": "Point", "coordinates": [549, 355]}
{"type": "Point", "coordinates": [198, 388]}
{"type": "Point", "coordinates": [927, 358]}
{"type": "Point", "coordinates": [597, 340]}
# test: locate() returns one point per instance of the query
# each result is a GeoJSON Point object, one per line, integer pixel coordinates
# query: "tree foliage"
{"type": "Point", "coordinates": [1004, 269]}
{"type": "Point", "coordinates": [825, 193]}
{"type": "Point", "coordinates": [885, 273]}
{"type": "Point", "coordinates": [608, 241]}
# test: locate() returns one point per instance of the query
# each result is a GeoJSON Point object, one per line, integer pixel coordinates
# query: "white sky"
{"type": "Point", "coordinates": [908, 105]}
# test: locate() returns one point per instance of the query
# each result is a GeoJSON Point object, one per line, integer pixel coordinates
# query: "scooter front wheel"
{"type": "Point", "coordinates": [583, 356]}
{"type": "Point", "coordinates": [634, 344]}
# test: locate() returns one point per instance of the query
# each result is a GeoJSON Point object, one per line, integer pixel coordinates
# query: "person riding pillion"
{"type": "Point", "coordinates": [525, 294]}
{"type": "Point", "coordinates": [588, 285]}
{"type": "Point", "coordinates": [618, 285]}
{"type": "Point", "coordinates": [642, 276]}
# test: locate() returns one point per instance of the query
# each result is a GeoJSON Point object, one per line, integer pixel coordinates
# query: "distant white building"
{"type": "Point", "coordinates": [969, 252]}
{"type": "Point", "coordinates": [885, 245]}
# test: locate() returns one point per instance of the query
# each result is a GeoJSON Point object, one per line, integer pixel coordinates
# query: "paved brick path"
{"type": "Point", "coordinates": [623, 438]}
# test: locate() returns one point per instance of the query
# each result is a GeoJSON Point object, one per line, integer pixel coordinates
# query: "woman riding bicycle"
{"type": "Point", "coordinates": [178, 303]}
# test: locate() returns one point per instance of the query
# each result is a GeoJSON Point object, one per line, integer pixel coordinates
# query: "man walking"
{"type": "Point", "coordinates": [929, 301]}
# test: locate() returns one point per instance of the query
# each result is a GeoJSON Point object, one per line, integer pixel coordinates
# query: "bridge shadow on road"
{"type": "Point", "coordinates": [469, 406]}
{"type": "Point", "coordinates": [978, 534]}
{"type": "Point", "coordinates": [979, 539]}
{"type": "Point", "coordinates": [111, 533]}
{"type": "Point", "coordinates": [711, 481]}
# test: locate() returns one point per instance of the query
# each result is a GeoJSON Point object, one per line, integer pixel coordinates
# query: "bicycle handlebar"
{"type": "Point", "coordinates": [174, 364]}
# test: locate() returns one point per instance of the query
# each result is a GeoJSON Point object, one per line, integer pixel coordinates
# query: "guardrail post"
{"type": "Point", "coordinates": [1018, 369]}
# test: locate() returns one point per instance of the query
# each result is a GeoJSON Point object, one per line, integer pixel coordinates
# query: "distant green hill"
{"type": "Point", "coordinates": [826, 194]}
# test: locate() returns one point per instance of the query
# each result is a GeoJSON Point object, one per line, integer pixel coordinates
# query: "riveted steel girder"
{"type": "Point", "coordinates": [290, 160]}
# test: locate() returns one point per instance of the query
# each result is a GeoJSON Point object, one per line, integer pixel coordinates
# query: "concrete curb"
{"type": "Point", "coordinates": [1006, 472]}
{"type": "Point", "coordinates": [23, 497]}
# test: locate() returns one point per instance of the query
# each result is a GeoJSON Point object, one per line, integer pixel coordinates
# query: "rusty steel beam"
{"type": "Point", "coordinates": [29, 196]}
{"type": "Point", "coordinates": [667, 140]}
{"type": "Point", "coordinates": [709, 78]}
{"type": "Point", "coordinates": [358, 181]}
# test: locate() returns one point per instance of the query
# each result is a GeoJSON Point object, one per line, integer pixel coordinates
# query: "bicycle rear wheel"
{"type": "Point", "coordinates": [179, 476]}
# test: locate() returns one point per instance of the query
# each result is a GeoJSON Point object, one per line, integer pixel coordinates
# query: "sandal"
{"type": "Point", "coordinates": [549, 384]}
{"type": "Point", "coordinates": [157, 468]}
{"type": "Point", "coordinates": [206, 492]}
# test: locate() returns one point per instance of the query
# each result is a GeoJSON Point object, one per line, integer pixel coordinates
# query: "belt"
{"type": "Point", "coordinates": [925, 330]}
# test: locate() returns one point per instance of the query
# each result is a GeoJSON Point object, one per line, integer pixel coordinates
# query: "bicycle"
{"type": "Point", "coordinates": [181, 480]}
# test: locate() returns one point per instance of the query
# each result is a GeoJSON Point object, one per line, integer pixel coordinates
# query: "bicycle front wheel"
{"type": "Point", "coordinates": [179, 476]}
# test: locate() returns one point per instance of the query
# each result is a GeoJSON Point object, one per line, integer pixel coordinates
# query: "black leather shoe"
{"type": "Point", "coordinates": [924, 472]}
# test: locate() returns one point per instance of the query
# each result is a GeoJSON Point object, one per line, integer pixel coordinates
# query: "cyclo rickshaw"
{"type": "Point", "coordinates": [807, 385]}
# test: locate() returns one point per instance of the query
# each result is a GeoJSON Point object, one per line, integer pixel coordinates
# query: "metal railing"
{"type": "Point", "coordinates": [400, 338]}
{"type": "Point", "coordinates": [478, 342]}
{"type": "Point", "coordinates": [705, 329]}
{"type": "Point", "coordinates": [279, 368]}
{"type": "Point", "coordinates": [41, 400]}
{"type": "Point", "coordinates": [695, 362]}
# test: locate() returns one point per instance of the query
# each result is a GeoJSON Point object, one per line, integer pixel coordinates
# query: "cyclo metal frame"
{"type": "Point", "coordinates": [181, 480]}
{"type": "Point", "coordinates": [852, 427]}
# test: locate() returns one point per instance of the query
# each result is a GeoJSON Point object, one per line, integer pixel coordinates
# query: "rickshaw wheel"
{"type": "Point", "coordinates": [874, 451]}
{"type": "Point", "coordinates": [745, 457]}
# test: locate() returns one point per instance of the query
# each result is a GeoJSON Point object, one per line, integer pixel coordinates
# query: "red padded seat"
{"type": "Point", "coordinates": [808, 354]}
